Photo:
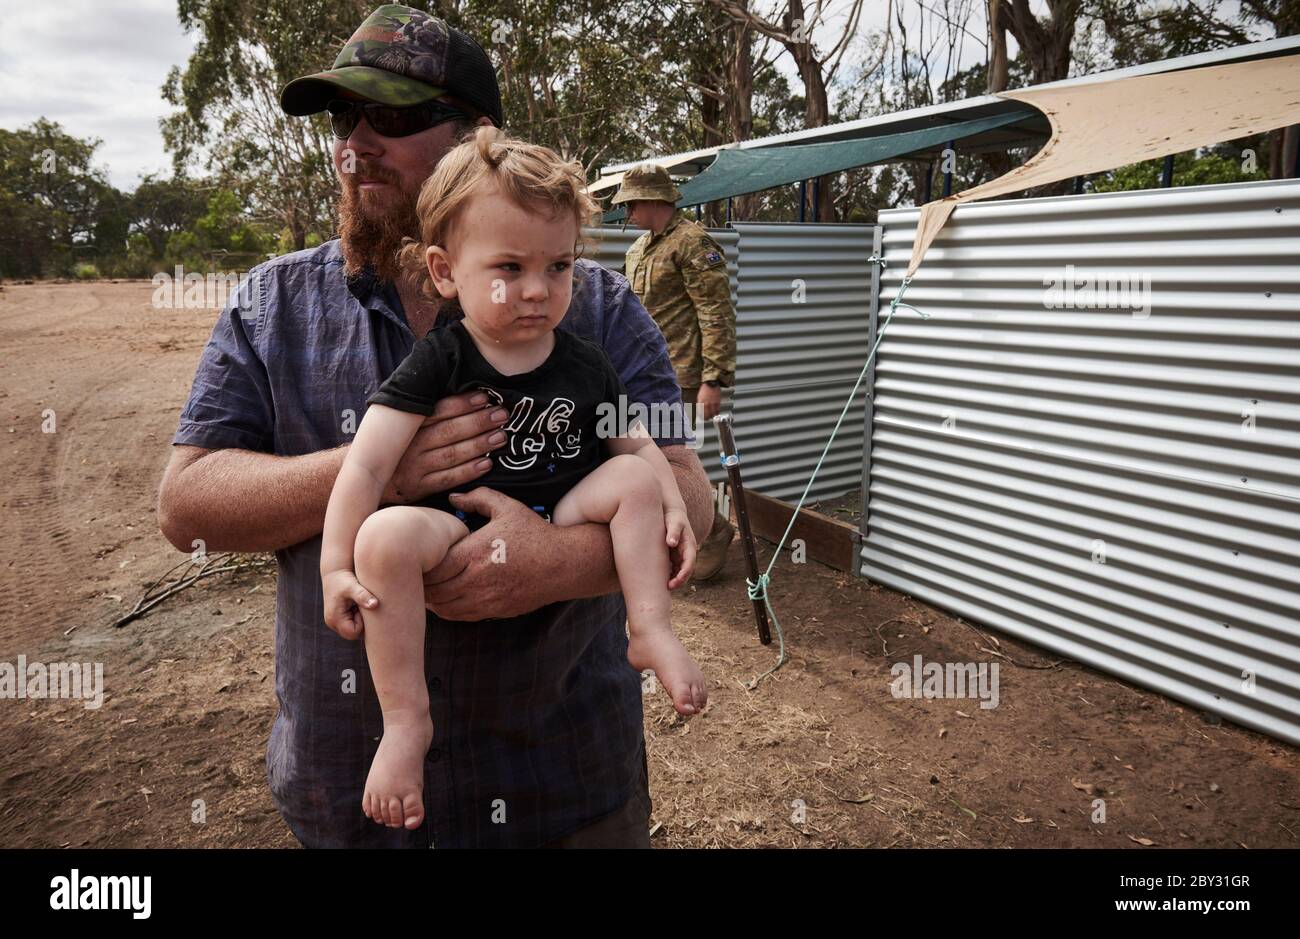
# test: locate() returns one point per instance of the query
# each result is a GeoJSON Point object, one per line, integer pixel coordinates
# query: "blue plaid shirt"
{"type": "Point", "coordinates": [537, 719]}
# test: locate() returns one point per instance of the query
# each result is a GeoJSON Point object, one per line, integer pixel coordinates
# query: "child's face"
{"type": "Point", "coordinates": [511, 269]}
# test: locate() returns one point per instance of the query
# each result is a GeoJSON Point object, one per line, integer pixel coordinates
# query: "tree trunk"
{"type": "Point", "coordinates": [816, 110]}
{"type": "Point", "coordinates": [997, 68]}
{"type": "Point", "coordinates": [998, 163]}
{"type": "Point", "coordinates": [740, 104]}
{"type": "Point", "coordinates": [1282, 152]}
{"type": "Point", "coordinates": [1045, 45]}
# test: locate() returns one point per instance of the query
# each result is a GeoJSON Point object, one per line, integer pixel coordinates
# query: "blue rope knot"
{"type": "Point", "coordinates": [757, 591]}
{"type": "Point", "coordinates": [898, 301]}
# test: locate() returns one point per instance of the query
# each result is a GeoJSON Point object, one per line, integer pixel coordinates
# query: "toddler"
{"type": "Point", "coordinates": [500, 225]}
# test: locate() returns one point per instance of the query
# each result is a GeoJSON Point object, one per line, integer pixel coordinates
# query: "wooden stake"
{"type": "Point", "coordinates": [730, 459]}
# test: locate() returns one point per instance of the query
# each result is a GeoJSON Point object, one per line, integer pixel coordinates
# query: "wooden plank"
{"type": "Point", "coordinates": [826, 539]}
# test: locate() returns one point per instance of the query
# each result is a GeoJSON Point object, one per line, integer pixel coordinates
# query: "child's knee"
{"type": "Point", "coordinates": [394, 536]}
{"type": "Point", "coordinates": [636, 477]}
{"type": "Point", "coordinates": [382, 536]}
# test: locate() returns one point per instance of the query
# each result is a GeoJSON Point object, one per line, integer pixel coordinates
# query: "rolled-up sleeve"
{"type": "Point", "coordinates": [638, 351]}
{"type": "Point", "coordinates": [230, 402]}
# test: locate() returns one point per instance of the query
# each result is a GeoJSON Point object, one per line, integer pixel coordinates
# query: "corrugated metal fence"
{"type": "Point", "coordinates": [803, 303]}
{"type": "Point", "coordinates": [1094, 443]}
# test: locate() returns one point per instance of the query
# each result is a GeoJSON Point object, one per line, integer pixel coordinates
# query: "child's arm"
{"type": "Point", "coordinates": [381, 440]}
{"type": "Point", "coordinates": [677, 523]}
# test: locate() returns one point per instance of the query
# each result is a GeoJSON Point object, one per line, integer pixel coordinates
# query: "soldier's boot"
{"type": "Point", "coordinates": [712, 553]}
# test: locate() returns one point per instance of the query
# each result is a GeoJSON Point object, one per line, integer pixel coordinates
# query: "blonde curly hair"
{"type": "Point", "coordinates": [534, 177]}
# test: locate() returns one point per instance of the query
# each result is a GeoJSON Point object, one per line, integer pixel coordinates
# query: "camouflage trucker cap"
{"type": "Point", "coordinates": [400, 56]}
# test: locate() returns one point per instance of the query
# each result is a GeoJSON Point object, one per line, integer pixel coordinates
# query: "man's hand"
{"type": "Point", "coordinates": [448, 449]}
{"type": "Point", "coordinates": [481, 580]}
{"type": "Point", "coordinates": [709, 401]}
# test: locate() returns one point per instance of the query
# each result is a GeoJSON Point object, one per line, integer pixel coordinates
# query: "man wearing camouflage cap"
{"type": "Point", "coordinates": [680, 273]}
{"type": "Point", "coordinates": [538, 721]}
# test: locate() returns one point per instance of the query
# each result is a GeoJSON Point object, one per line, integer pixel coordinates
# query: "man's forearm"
{"type": "Point", "coordinates": [694, 485]}
{"type": "Point", "coordinates": [586, 562]}
{"type": "Point", "coordinates": [242, 500]}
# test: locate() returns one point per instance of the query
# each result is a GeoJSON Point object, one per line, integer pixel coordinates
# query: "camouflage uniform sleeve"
{"type": "Point", "coordinates": [704, 275]}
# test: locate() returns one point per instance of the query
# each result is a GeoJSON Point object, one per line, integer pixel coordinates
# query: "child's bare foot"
{"type": "Point", "coordinates": [660, 650]}
{"type": "Point", "coordinates": [395, 786]}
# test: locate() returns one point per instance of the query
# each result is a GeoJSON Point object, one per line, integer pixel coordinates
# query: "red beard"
{"type": "Point", "coordinates": [372, 224]}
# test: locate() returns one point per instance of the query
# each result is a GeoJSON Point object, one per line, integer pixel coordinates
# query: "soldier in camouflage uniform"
{"type": "Point", "coordinates": [679, 273]}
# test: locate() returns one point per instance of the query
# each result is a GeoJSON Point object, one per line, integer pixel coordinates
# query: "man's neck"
{"type": "Point", "coordinates": [668, 220]}
{"type": "Point", "coordinates": [420, 312]}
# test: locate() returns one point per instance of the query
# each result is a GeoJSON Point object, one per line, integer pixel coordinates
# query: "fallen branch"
{"type": "Point", "coordinates": [212, 565]}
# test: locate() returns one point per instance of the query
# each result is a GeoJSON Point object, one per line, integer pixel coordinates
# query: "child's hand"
{"type": "Point", "coordinates": [344, 600]}
{"type": "Point", "coordinates": [681, 544]}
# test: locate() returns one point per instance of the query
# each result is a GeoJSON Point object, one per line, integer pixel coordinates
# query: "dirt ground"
{"type": "Point", "coordinates": [819, 754]}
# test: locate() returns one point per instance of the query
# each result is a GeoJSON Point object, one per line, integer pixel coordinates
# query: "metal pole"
{"type": "Point", "coordinates": [929, 181]}
{"type": "Point", "coordinates": [803, 197]}
{"type": "Point", "coordinates": [869, 400]}
{"type": "Point", "coordinates": [947, 173]}
{"type": "Point", "coordinates": [817, 199]}
{"type": "Point", "coordinates": [1167, 176]}
{"type": "Point", "coordinates": [730, 459]}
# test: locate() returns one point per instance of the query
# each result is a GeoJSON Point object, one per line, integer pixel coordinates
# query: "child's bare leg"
{"type": "Point", "coordinates": [394, 547]}
{"type": "Point", "coordinates": [623, 493]}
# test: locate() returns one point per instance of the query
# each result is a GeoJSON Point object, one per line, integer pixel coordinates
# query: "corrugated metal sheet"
{"type": "Point", "coordinates": [1123, 490]}
{"type": "Point", "coordinates": [802, 335]}
{"type": "Point", "coordinates": [803, 296]}
{"type": "Point", "coordinates": [611, 253]}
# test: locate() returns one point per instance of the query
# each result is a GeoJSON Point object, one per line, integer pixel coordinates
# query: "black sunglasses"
{"type": "Point", "coordinates": [389, 121]}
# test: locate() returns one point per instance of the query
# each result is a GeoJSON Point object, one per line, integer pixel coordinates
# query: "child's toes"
{"type": "Point", "coordinates": [413, 808]}
{"type": "Point", "coordinates": [682, 701]}
{"type": "Point", "coordinates": [394, 814]}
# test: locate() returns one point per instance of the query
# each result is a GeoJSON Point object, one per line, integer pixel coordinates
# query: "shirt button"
{"type": "Point", "coordinates": [434, 755]}
{"type": "Point", "coordinates": [435, 683]}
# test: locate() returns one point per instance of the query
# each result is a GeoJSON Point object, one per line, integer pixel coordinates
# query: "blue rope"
{"type": "Point", "coordinates": [758, 590]}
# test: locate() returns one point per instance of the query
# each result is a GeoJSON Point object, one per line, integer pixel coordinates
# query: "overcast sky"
{"type": "Point", "coordinates": [97, 67]}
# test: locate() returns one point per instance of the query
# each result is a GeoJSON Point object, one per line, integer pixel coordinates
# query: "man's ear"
{"type": "Point", "coordinates": [439, 264]}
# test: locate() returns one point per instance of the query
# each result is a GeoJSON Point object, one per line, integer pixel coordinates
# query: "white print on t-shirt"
{"type": "Point", "coordinates": [549, 429]}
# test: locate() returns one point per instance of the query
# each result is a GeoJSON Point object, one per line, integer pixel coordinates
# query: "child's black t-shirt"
{"type": "Point", "coordinates": [551, 438]}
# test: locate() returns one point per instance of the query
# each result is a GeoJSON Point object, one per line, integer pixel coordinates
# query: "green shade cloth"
{"type": "Point", "coordinates": [739, 172]}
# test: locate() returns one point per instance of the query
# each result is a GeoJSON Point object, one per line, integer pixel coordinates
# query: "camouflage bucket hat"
{"type": "Point", "coordinates": [400, 57]}
{"type": "Point", "coordinates": [646, 181]}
